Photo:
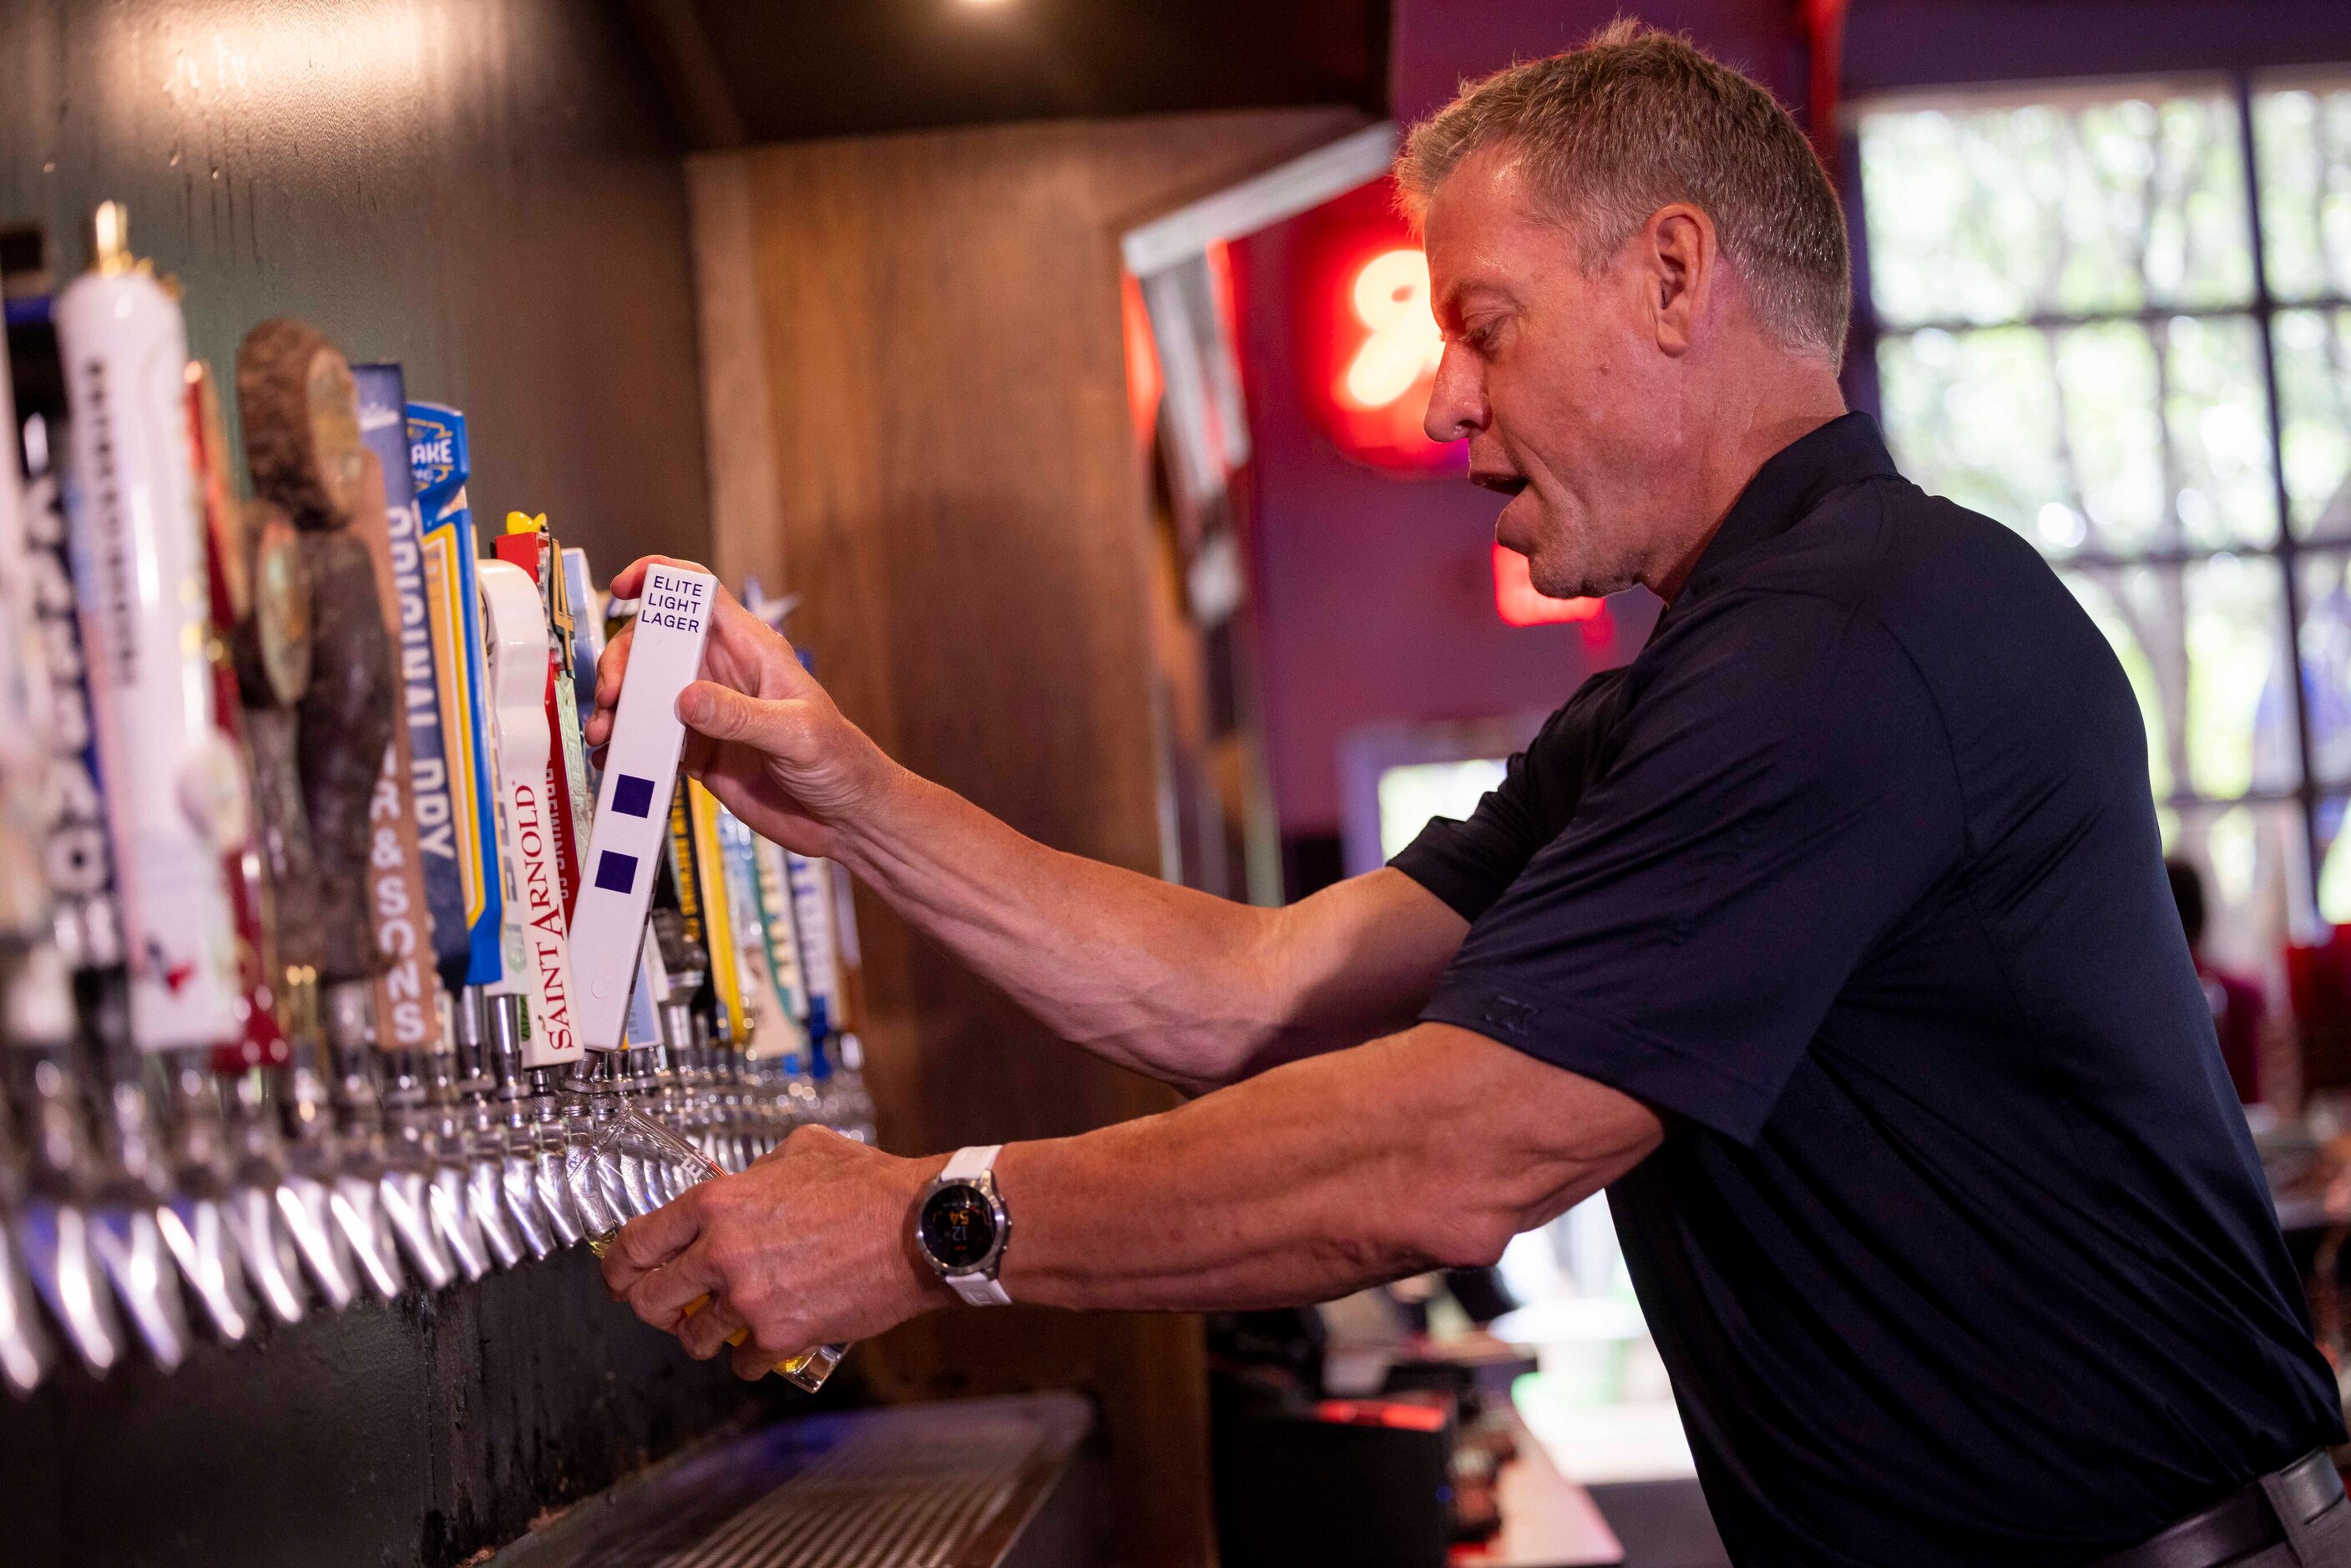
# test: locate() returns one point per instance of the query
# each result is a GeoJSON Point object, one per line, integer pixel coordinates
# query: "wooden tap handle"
{"type": "Point", "coordinates": [281, 594]}
{"type": "Point", "coordinates": [301, 417]}
{"type": "Point", "coordinates": [289, 862]}
{"type": "Point", "coordinates": [344, 722]}
{"type": "Point", "coordinates": [302, 443]}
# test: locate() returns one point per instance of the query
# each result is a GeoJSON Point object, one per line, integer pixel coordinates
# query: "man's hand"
{"type": "Point", "coordinates": [1427, 1149]}
{"type": "Point", "coordinates": [809, 1247]}
{"type": "Point", "coordinates": [766, 738]}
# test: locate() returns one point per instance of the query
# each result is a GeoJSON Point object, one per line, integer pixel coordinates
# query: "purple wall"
{"type": "Point", "coordinates": [1889, 44]}
{"type": "Point", "coordinates": [1893, 44]}
{"type": "Point", "coordinates": [1439, 43]}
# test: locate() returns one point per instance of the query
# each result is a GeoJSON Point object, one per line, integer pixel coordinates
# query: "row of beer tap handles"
{"type": "Point", "coordinates": [294, 810]}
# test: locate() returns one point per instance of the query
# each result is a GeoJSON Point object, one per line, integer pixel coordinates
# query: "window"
{"type": "Point", "coordinates": [2119, 320]}
{"type": "Point", "coordinates": [1414, 792]}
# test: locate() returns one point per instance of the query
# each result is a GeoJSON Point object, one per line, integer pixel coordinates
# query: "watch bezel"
{"type": "Point", "coordinates": [987, 1263]}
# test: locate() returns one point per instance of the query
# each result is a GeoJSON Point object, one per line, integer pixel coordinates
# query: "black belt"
{"type": "Point", "coordinates": [2243, 1523]}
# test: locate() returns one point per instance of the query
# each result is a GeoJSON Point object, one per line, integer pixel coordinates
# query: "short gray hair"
{"type": "Point", "coordinates": [1637, 119]}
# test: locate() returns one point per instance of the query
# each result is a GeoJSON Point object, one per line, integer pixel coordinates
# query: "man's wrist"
{"type": "Point", "coordinates": [865, 835]}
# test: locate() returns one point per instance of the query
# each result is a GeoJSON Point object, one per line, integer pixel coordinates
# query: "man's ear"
{"type": "Point", "coordinates": [1677, 255]}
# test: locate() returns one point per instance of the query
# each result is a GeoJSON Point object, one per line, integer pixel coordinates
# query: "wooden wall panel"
{"type": "Point", "coordinates": [919, 422]}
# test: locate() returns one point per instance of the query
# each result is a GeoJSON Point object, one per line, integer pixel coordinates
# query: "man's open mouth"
{"type": "Point", "coordinates": [1500, 482]}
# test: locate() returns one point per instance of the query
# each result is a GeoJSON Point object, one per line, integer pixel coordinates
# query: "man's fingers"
{"type": "Point", "coordinates": [611, 668]}
{"type": "Point", "coordinates": [723, 714]}
{"type": "Point", "coordinates": [705, 1334]}
{"type": "Point", "coordinates": [630, 580]}
{"type": "Point", "coordinates": [752, 1363]}
{"type": "Point", "coordinates": [661, 1296]}
{"type": "Point", "coordinates": [645, 1244]}
{"type": "Point", "coordinates": [744, 652]}
{"type": "Point", "coordinates": [730, 621]}
{"type": "Point", "coordinates": [705, 707]}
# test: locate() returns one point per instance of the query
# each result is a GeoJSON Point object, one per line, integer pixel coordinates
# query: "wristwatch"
{"type": "Point", "coordinates": [961, 1226]}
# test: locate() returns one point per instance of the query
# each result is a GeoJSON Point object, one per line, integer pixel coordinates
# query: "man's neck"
{"type": "Point", "coordinates": [1728, 459]}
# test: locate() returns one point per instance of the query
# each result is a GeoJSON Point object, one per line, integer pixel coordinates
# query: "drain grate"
{"type": "Point", "coordinates": [883, 1498]}
{"type": "Point", "coordinates": [950, 1485]}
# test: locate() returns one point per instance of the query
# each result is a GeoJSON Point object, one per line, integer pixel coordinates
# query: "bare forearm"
{"type": "Point", "coordinates": [1175, 983]}
{"type": "Point", "coordinates": [1312, 1180]}
{"type": "Point", "coordinates": [1427, 1149]}
{"type": "Point", "coordinates": [1172, 983]}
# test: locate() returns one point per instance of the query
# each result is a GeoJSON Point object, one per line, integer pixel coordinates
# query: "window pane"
{"type": "Point", "coordinates": [2250, 857]}
{"type": "Point", "coordinates": [2003, 214]}
{"type": "Point", "coordinates": [2335, 862]}
{"type": "Point", "coordinates": [2304, 138]}
{"type": "Point", "coordinates": [2054, 431]}
{"type": "Point", "coordinates": [2202, 645]}
{"type": "Point", "coordinates": [1973, 417]}
{"type": "Point", "coordinates": [2215, 414]}
{"type": "Point", "coordinates": [2314, 369]}
{"type": "Point", "coordinates": [1412, 794]}
{"type": "Point", "coordinates": [2326, 584]}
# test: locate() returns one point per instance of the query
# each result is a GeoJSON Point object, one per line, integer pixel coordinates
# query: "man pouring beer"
{"type": "Point", "coordinates": [1831, 936]}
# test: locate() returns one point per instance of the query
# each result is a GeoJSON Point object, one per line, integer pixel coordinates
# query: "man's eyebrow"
{"type": "Point", "coordinates": [1448, 308]}
{"type": "Point", "coordinates": [1445, 307]}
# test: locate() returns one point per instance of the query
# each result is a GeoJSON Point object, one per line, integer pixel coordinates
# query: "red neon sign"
{"type": "Point", "coordinates": [1368, 345]}
{"type": "Point", "coordinates": [1397, 353]}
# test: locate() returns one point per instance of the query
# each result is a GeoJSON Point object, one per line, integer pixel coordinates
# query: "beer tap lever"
{"type": "Point", "coordinates": [174, 791]}
{"type": "Point", "coordinates": [27, 910]}
{"type": "Point", "coordinates": [231, 1099]}
{"type": "Point", "coordinates": [273, 664]}
{"type": "Point", "coordinates": [303, 446]}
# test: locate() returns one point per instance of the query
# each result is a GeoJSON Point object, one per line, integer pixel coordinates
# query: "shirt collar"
{"type": "Point", "coordinates": [1792, 482]}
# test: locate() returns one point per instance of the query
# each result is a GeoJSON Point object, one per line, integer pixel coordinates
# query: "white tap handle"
{"type": "Point", "coordinates": [144, 606]}
{"type": "Point", "coordinates": [783, 940]}
{"type": "Point", "coordinates": [513, 625]}
{"type": "Point", "coordinates": [632, 804]}
{"type": "Point", "coordinates": [812, 918]}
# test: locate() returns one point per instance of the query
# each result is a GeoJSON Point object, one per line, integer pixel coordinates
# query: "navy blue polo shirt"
{"type": "Point", "coordinates": [1957, 1248]}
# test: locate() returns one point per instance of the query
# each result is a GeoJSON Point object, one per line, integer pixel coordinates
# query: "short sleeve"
{"type": "Point", "coordinates": [1469, 863]}
{"type": "Point", "coordinates": [1782, 793]}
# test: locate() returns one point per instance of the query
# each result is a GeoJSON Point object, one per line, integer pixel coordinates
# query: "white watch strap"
{"type": "Point", "coordinates": [979, 1291]}
{"type": "Point", "coordinates": [970, 1165]}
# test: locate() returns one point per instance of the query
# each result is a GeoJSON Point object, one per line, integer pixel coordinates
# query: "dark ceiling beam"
{"type": "Point", "coordinates": [672, 35]}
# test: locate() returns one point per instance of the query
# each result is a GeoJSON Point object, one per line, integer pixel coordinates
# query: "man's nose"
{"type": "Point", "coordinates": [1456, 400]}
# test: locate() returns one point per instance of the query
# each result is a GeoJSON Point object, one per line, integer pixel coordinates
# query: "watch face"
{"type": "Point", "coordinates": [958, 1225]}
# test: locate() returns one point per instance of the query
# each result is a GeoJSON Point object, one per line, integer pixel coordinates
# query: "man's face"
{"type": "Point", "coordinates": [1558, 383]}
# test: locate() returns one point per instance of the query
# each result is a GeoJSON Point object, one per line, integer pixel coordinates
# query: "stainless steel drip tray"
{"type": "Point", "coordinates": [977, 1484]}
